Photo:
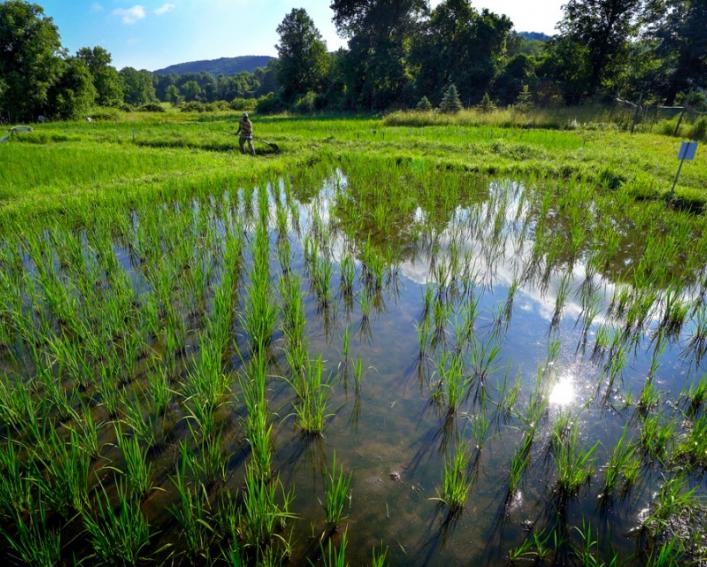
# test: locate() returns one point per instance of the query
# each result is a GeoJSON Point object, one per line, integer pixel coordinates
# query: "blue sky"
{"type": "Point", "coordinates": [151, 34]}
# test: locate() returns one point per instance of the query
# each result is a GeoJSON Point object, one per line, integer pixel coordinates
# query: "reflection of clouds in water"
{"type": "Point", "coordinates": [513, 256]}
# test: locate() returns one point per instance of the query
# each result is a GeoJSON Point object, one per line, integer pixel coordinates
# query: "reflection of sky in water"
{"type": "Point", "coordinates": [399, 428]}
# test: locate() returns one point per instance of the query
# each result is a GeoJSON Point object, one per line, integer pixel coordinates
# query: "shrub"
{"type": "Point", "coordinates": [243, 104]}
{"type": "Point", "coordinates": [424, 104]}
{"type": "Point", "coordinates": [271, 103]}
{"type": "Point", "coordinates": [193, 106]}
{"type": "Point", "coordinates": [104, 114]}
{"type": "Point", "coordinates": [451, 102]}
{"type": "Point", "coordinates": [152, 107]}
{"type": "Point", "coordinates": [698, 131]}
{"type": "Point", "coordinates": [305, 104]}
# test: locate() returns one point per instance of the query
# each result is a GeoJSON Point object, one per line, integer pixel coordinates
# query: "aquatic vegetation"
{"type": "Point", "coordinates": [336, 493]}
{"type": "Point", "coordinates": [144, 332]}
{"type": "Point", "coordinates": [623, 464]}
{"type": "Point", "coordinates": [574, 465]}
{"type": "Point", "coordinates": [117, 535]}
{"type": "Point", "coordinates": [455, 482]}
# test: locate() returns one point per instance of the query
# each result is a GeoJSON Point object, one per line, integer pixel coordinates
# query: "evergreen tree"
{"type": "Point", "coordinates": [424, 104]}
{"type": "Point", "coordinates": [487, 105]}
{"type": "Point", "coordinates": [451, 102]}
{"type": "Point", "coordinates": [524, 102]}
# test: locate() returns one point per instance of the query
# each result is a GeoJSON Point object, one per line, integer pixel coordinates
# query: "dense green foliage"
{"type": "Point", "coordinates": [647, 51]}
{"type": "Point", "coordinates": [303, 60]}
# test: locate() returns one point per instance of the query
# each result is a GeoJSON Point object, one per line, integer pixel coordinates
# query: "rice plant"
{"type": "Point", "coordinates": [452, 380]}
{"type": "Point", "coordinates": [455, 482]}
{"type": "Point", "coordinates": [574, 466]}
{"type": "Point", "coordinates": [312, 395]}
{"type": "Point", "coordinates": [655, 437]}
{"type": "Point", "coordinates": [335, 557]}
{"type": "Point", "coordinates": [264, 512]}
{"type": "Point", "coordinates": [136, 468]}
{"type": "Point", "coordinates": [336, 493]}
{"type": "Point", "coordinates": [623, 464]}
{"type": "Point", "coordinates": [117, 535]}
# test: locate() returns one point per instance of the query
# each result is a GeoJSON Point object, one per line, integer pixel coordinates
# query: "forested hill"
{"type": "Point", "coordinates": [535, 36]}
{"type": "Point", "coordinates": [222, 66]}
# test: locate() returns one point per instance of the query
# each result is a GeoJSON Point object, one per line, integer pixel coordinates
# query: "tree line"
{"type": "Point", "coordinates": [401, 54]}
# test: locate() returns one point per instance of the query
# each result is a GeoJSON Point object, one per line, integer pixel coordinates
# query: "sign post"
{"type": "Point", "coordinates": [685, 153]}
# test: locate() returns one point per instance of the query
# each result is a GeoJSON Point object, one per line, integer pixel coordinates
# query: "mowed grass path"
{"type": "Point", "coordinates": [73, 161]}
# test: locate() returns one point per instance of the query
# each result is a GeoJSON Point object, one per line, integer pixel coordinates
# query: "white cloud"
{"type": "Point", "coordinates": [96, 8]}
{"type": "Point", "coordinates": [165, 8]}
{"type": "Point", "coordinates": [130, 15]}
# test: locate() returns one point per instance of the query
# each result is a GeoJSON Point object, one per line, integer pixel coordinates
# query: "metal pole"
{"type": "Point", "coordinates": [677, 126]}
{"type": "Point", "coordinates": [675, 181]}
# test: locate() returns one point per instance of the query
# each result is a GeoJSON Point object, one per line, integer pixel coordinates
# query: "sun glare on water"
{"type": "Point", "coordinates": [563, 393]}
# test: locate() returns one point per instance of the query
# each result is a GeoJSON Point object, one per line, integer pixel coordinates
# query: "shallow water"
{"type": "Point", "coordinates": [389, 431]}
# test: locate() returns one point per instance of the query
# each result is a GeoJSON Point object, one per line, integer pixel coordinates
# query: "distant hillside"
{"type": "Point", "coordinates": [223, 66]}
{"type": "Point", "coordinates": [535, 36]}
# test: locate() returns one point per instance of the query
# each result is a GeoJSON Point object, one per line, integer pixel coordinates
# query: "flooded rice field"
{"type": "Point", "coordinates": [402, 367]}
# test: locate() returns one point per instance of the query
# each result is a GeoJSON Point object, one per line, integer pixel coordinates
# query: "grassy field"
{"type": "Point", "coordinates": [393, 342]}
{"type": "Point", "coordinates": [121, 159]}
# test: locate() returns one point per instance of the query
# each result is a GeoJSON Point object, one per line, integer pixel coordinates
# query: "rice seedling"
{"type": "Point", "coordinates": [538, 547]}
{"type": "Point", "coordinates": [673, 498]}
{"type": "Point", "coordinates": [337, 492]}
{"type": "Point", "coordinates": [508, 396]}
{"type": "Point", "coordinates": [623, 464]}
{"type": "Point", "coordinates": [347, 269]}
{"type": "Point", "coordinates": [258, 429]}
{"type": "Point", "coordinates": [137, 469]}
{"type": "Point", "coordinates": [452, 380]}
{"type": "Point", "coordinates": [358, 372]}
{"type": "Point", "coordinates": [667, 555]}
{"type": "Point", "coordinates": [335, 557]}
{"type": "Point", "coordinates": [117, 535]}
{"type": "Point", "coordinates": [64, 482]}
{"type": "Point", "coordinates": [192, 513]}
{"type": "Point", "coordinates": [346, 343]}
{"type": "Point", "coordinates": [483, 356]}
{"type": "Point", "coordinates": [455, 482]}
{"type": "Point", "coordinates": [322, 281]}
{"type": "Point", "coordinates": [312, 395]}
{"type": "Point", "coordinates": [260, 313]}
{"type": "Point", "coordinates": [264, 512]}
{"type": "Point", "coordinates": [34, 542]}
{"type": "Point", "coordinates": [650, 397]}
{"type": "Point", "coordinates": [574, 466]}
{"type": "Point", "coordinates": [423, 337]}
{"type": "Point", "coordinates": [378, 557]}
{"type": "Point", "coordinates": [587, 553]}
{"type": "Point", "coordinates": [693, 447]}
{"type": "Point", "coordinates": [695, 396]}
{"type": "Point", "coordinates": [655, 437]}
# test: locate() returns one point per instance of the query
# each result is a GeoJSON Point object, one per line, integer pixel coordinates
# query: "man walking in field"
{"type": "Point", "coordinates": [245, 133]}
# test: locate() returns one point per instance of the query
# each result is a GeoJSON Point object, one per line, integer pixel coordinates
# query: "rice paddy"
{"type": "Point", "coordinates": [366, 359]}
